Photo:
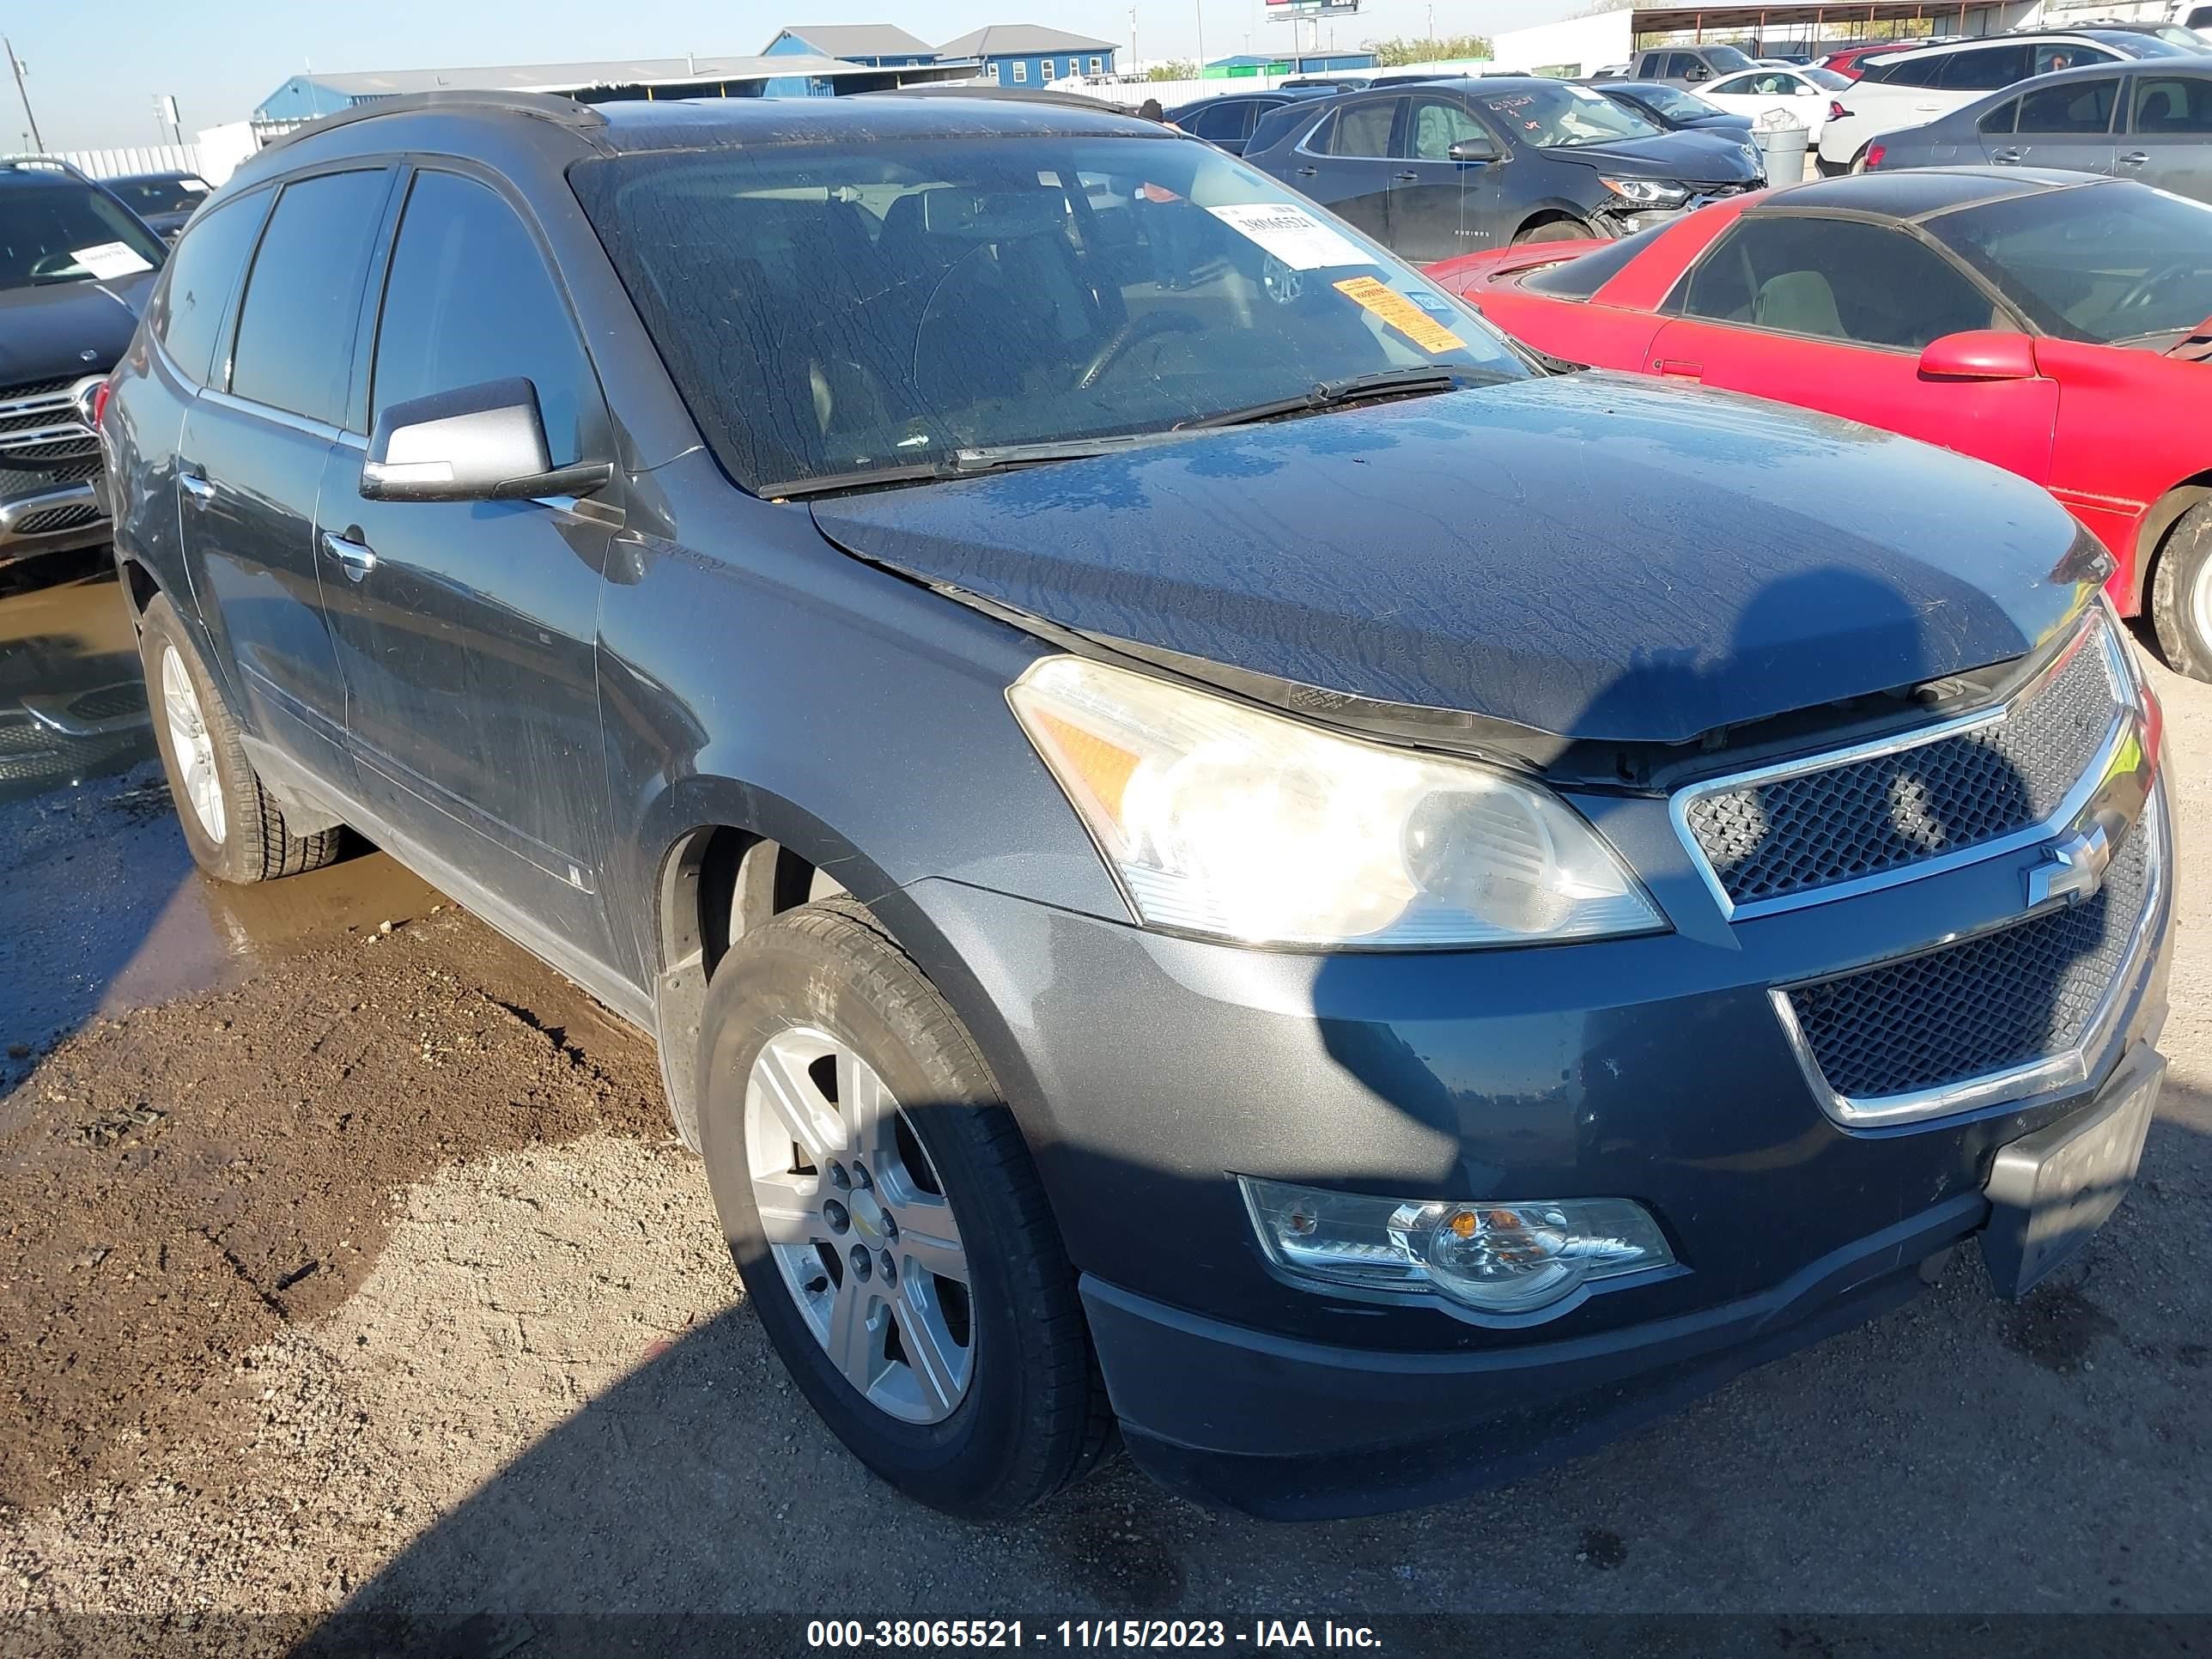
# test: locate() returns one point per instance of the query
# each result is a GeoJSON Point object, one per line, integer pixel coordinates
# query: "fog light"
{"type": "Point", "coordinates": [1500, 1258]}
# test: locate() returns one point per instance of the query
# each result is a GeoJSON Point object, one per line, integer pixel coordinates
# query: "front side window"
{"type": "Point", "coordinates": [61, 231]}
{"type": "Point", "coordinates": [1438, 125]}
{"type": "Point", "coordinates": [295, 330]}
{"type": "Point", "coordinates": [469, 300]}
{"type": "Point", "coordinates": [1365, 130]}
{"type": "Point", "coordinates": [2178, 104]}
{"type": "Point", "coordinates": [829, 313]}
{"type": "Point", "coordinates": [2072, 106]}
{"type": "Point", "coordinates": [2118, 264]}
{"type": "Point", "coordinates": [1835, 279]}
{"type": "Point", "coordinates": [1558, 116]}
{"type": "Point", "coordinates": [203, 271]}
{"type": "Point", "coordinates": [2067, 55]}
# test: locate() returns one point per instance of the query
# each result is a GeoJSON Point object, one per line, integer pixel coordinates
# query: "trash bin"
{"type": "Point", "coordinates": [1781, 138]}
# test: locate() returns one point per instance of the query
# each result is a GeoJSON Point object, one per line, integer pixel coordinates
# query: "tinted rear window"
{"type": "Point", "coordinates": [203, 272]}
{"type": "Point", "coordinates": [294, 347]}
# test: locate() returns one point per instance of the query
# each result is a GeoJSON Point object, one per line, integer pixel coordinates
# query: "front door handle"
{"type": "Point", "coordinates": [195, 486]}
{"type": "Point", "coordinates": [2007, 157]}
{"type": "Point", "coordinates": [2136, 158]}
{"type": "Point", "coordinates": [1679, 369]}
{"type": "Point", "coordinates": [358, 557]}
{"type": "Point", "coordinates": [1308, 172]}
{"type": "Point", "coordinates": [1406, 178]}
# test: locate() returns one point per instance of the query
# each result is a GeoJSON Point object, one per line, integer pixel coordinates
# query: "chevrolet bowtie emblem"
{"type": "Point", "coordinates": [2072, 870]}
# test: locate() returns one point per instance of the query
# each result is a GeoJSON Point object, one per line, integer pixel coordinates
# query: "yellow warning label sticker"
{"type": "Point", "coordinates": [1402, 314]}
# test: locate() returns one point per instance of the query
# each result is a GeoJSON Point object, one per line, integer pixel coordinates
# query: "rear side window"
{"type": "Point", "coordinates": [469, 300]}
{"type": "Point", "coordinates": [2001, 119]}
{"type": "Point", "coordinates": [1835, 279]}
{"type": "Point", "coordinates": [202, 270]}
{"type": "Point", "coordinates": [2173, 104]}
{"type": "Point", "coordinates": [294, 347]}
{"type": "Point", "coordinates": [1905, 72]}
{"type": "Point", "coordinates": [1578, 279]}
{"type": "Point", "coordinates": [2066, 55]}
{"type": "Point", "coordinates": [2074, 106]}
{"type": "Point", "coordinates": [1365, 131]}
{"type": "Point", "coordinates": [1984, 69]}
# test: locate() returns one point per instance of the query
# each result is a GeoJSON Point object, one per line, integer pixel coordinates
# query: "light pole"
{"type": "Point", "coordinates": [1136, 63]}
{"type": "Point", "coordinates": [16, 64]}
{"type": "Point", "coordinates": [1198, 10]}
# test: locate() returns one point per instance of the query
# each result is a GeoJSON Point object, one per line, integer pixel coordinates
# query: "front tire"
{"type": "Point", "coordinates": [891, 1230]}
{"type": "Point", "coordinates": [234, 828]}
{"type": "Point", "coordinates": [2181, 594]}
{"type": "Point", "coordinates": [1555, 230]}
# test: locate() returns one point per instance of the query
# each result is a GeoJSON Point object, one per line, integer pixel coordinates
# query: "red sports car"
{"type": "Point", "coordinates": [2057, 325]}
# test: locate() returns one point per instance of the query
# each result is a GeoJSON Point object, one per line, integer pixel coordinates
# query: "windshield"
{"type": "Point", "coordinates": [2107, 263]}
{"type": "Point", "coordinates": [827, 312]}
{"type": "Point", "coordinates": [1676, 105]}
{"type": "Point", "coordinates": [161, 195]}
{"type": "Point", "coordinates": [1556, 116]}
{"type": "Point", "coordinates": [63, 231]}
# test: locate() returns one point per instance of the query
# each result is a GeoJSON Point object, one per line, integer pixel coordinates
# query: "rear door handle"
{"type": "Point", "coordinates": [2136, 158]}
{"type": "Point", "coordinates": [195, 486]}
{"type": "Point", "coordinates": [2007, 157]}
{"type": "Point", "coordinates": [358, 557]}
{"type": "Point", "coordinates": [1308, 172]}
{"type": "Point", "coordinates": [1679, 370]}
{"type": "Point", "coordinates": [1406, 178]}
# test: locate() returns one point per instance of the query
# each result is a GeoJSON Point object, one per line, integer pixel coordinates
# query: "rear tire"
{"type": "Point", "coordinates": [1554, 230]}
{"type": "Point", "coordinates": [234, 828]}
{"type": "Point", "coordinates": [841, 1095]}
{"type": "Point", "coordinates": [2181, 594]}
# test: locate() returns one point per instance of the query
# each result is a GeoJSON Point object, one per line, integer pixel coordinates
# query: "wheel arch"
{"type": "Point", "coordinates": [2158, 522]}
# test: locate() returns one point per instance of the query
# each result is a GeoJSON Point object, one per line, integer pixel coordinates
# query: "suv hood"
{"type": "Point", "coordinates": [58, 330]}
{"type": "Point", "coordinates": [1594, 557]}
{"type": "Point", "coordinates": [1691, 156]}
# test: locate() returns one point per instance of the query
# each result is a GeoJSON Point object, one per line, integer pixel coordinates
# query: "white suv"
{"type": "Point", "coordinates": [1910, 89]}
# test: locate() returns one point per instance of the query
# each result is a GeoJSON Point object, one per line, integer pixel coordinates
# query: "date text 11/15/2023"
{"type": "Point", "coordinates": [1157, 1633]}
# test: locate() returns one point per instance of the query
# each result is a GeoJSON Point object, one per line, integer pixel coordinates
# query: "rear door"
{"type": "Point", "coordinates": [2068, 126]}
{"type": "Point", "coordinates": [1347, 162]}
{"type": "Point", "coordinates": [250, 463]}
{"type": "Point", "coordinates": [467, 631]}
{"type": "Point", "coordinates": [1831, 314]}
{"type": "Point", "coordinates": [2168, 142]}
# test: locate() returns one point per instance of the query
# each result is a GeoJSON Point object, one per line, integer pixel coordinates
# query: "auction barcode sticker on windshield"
{"type": "Point", "coordinates": [1400, 313]}
{"type": "Point", "coordinates": [1292, 235]}
{"type": "Point", "coordinates": [107, 261]}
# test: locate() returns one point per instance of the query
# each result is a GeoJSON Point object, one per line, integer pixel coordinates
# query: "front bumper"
{"type": "Point", "coordinates": [1148, 1071]}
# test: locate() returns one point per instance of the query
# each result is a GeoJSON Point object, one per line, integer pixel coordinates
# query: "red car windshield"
{"type": "Point", "coordinates": [2116, 264]}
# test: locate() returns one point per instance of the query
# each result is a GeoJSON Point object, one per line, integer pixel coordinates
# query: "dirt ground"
{"type": "Point", "coordinates": [349, 1273]}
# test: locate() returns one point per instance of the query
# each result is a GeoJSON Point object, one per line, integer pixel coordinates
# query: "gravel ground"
{"type": "Point", "coordinates": [368, 1282]}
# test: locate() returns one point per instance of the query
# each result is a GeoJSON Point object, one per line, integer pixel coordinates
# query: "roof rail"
{"type": "Point", "coordinates": [545, 105]}
{"type": "Point", "coordinates": [44, 164]}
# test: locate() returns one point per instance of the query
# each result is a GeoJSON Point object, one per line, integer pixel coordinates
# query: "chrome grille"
{"type": "Point", "coordinates": [1798, 830]}
{"type": "Point", "coordinates": [39, 424]}
{"type": "Point", "coordinates": [1986, 1004]}
{"type": "Point", "coordinates": [47, 520]}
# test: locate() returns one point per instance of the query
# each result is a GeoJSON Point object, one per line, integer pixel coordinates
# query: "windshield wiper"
{"type": "Point", "coordinates": [1334, 394]}
{"type": "Point", "coordinates": [971, 462]}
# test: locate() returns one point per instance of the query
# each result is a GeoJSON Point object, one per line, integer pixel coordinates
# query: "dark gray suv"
{"type": "Point", "coordinates": [1209, 849]}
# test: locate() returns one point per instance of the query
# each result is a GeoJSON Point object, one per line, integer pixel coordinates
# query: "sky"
{"type": "Point", "coordinates": [95, 69]}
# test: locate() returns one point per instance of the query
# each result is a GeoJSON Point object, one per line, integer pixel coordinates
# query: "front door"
{"type": "Point", "coordinates": [1831, 314]}
{"type": "Point", "coordinates": [1428, 190]}
{"type": "Point", "coordinates": [467, 631]}
{"type": "Point", "coordinates": [2169, 140]}
{"type": "Point", "coordinates": [250, 459]}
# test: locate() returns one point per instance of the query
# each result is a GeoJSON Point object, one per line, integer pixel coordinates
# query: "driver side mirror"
{"type": "Point", "coordinates": [1979, 354]}
{"type": "Point", "coordinates": [1473, 149]}
{"type": "Point", "coordinates": [480, 443]}
{"type": "Point", "coordinates": [1698, 72]}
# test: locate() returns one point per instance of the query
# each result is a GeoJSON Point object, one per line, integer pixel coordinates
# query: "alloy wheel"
{"type": "Point", "coordinates": [856, 1218]}
{"type": "Point", "coordinates": [2200, 607]}
{"type": "Point", "coordinates": [190, 742]}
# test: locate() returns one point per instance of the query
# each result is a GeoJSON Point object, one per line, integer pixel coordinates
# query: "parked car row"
{"type": "Point", "coordinates": [2055, 325]}
{"type": "Point", "coordinates": [1212, 848]}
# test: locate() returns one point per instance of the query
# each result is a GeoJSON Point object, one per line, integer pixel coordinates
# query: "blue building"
{"type": "Point", "coordinates": [1028, 54]}
{"type": "Point", "coordinates": [880, 46]}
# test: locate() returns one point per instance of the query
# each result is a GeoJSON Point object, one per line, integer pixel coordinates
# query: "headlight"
{"type": "Point", "coordinates": [1646, 192]}
{"type": "Point", "coordinates": [1224, 820]}
{"type": "Point", "coordinates": [1498, 1258]}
